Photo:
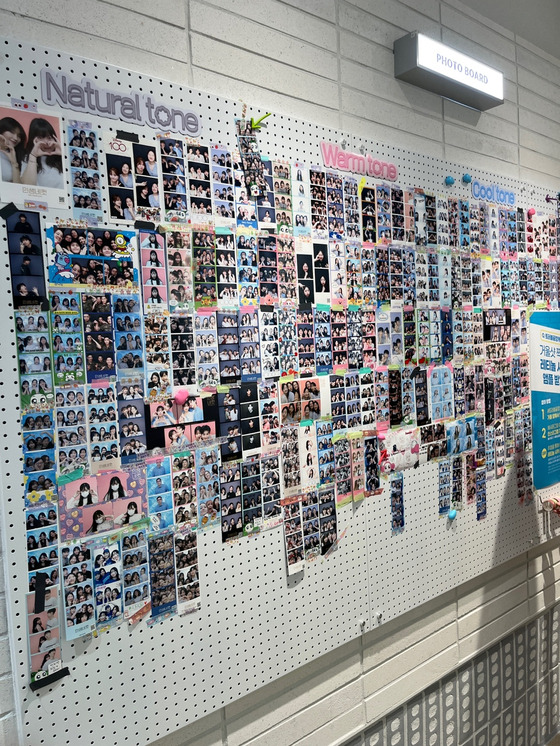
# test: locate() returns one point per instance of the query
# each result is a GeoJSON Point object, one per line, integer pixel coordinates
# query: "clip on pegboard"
{"type": "Point", "coordinates": [40, 591]}
{"type": "Point", "coordinates": [8, 210]}
{"type": "Point", "coordinates": [42, 681]}
{"type": "Point", "coordinates": [128, 136]}
{"type": "Point", "coordinates": [144, 225]}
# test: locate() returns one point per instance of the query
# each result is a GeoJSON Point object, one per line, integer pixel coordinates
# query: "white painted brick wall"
{"type": "Point", "coordinates": [269, 43]}
{"type": "Point", "coordinates": [331, 61]}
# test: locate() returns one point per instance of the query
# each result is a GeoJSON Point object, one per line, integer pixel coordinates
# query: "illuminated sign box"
{"type": "Point", "coordinates": [438, 68]}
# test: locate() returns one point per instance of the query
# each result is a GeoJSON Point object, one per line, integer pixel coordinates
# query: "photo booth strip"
{"type": "Point", "coordinates": [173, 155]}
{"type": "Point", "coordinates": [85, 178]}
{"type": "Point", "coordinates": [43, 638]}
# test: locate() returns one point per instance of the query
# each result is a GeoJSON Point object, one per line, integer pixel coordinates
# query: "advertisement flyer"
{"type": "Point", "coordinates": [544, 348]}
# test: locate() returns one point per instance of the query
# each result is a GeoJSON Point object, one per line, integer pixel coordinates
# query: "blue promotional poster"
{"type": "Point", "coordinates": [545, 396]}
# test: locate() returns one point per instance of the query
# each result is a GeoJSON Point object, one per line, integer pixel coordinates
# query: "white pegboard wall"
{"type": "Point", "coordinates": [435, 552]}
{"type": "Point", "coordinates": [282, 137]}
{"type": "Point", "coordinates": [255, 624]}
{"type": "Point", "coordinates": [200, 662]}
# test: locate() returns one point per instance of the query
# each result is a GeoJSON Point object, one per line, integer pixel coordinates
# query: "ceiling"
{"type": "Point", "coordinates": [537, 21]}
